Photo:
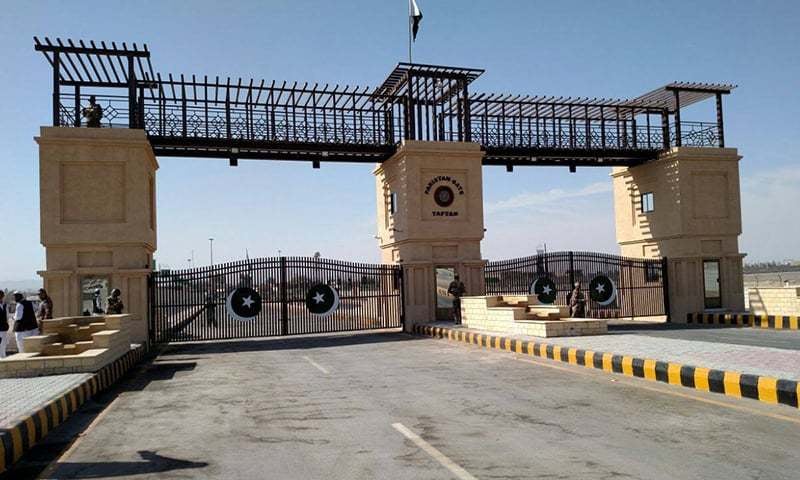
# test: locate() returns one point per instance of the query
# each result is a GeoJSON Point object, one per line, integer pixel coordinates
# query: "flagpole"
{"type": "Point", "coordinates": [409, 30]}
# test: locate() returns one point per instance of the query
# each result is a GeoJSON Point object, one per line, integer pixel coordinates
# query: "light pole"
{"type": "Point", "coordinates": [211, 249]}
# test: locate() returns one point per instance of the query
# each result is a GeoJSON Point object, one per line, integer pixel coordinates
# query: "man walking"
{"type": "Point", "coordinates": [3, 324]}
{"type": "Point", "coordinates": [457, 290]}
{"type": "Point", "coordinates": [24, 321]}
{"type": "Point", "coordinates": [45, 308]}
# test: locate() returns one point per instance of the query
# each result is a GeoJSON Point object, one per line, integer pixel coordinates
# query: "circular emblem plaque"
{"type": "Point", "coordinates": [602, 290]}
{"type": "Point", "coordinates": [243, 304]}
{"type": "Point", "coordinates": [544, 289]}
{"type": "Point", "coordinates": [322, 300]}
{"type": "Point", "coordinates": [443, 196]}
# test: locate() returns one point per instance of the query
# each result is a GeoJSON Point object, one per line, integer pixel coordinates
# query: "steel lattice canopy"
{"type": "Point", "coordinates": [689, 93]}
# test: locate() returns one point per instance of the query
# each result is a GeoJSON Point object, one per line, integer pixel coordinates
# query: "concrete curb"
{"type": "Point", "coordinates": [778, 322]}
{"type": "Point", "coordinates": [30, 429]}
{"type": "Point", "coordinates": [733, 384]}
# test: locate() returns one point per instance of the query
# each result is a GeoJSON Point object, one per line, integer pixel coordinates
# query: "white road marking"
{"type": "Point", "coordinates": [459, 472]}
{"type": "Point", "coordinates": [316, 365]}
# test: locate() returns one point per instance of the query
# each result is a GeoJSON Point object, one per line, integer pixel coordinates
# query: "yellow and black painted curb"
{"type": "Point", "coordinates": [734, 384]}
{"type": "Point", "coordinates": [30, 429]}
{"type": "Point", "coordinates": [778, 322]}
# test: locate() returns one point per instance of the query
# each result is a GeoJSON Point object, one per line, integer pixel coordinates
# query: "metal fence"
{"type": "Point", "coordinates": [192, 304]}
{"type": "Point", "coordinates": [641, 283]}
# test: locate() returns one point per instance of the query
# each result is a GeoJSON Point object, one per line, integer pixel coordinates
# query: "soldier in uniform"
{"type": "Point", "coordinates": [114, 304]}
{"type": "Point", "coordinates": [457, 290]}
{"type": "Point", "coordinates": [45, 307]}
{"type": "Point", "coordinates": [93, 113]}
{"type": "Point", "coordinates": [577, 302]}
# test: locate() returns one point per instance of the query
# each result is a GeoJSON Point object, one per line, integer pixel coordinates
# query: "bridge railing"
{"type": "Point", "coordinates": [565, 133]}
{"type": "Point", "coordinates": [369, 123]}
{"type": "Point", "coordinates": [696, 134]}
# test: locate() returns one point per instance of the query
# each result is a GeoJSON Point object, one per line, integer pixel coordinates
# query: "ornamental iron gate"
{"type": "Point", "coordinates": [273, 296]}
{"type": "Point", "coordinates": [638, 286]}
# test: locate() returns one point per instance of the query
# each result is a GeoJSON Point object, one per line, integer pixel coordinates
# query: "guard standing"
{"type": "Point", "coordinates": [114, 303]}
{"type": "Point", "coordinates": [45, 308]}
{"type": "Point", "coordinates": [457, 290]}
{"type": "Point", "coordinates": [577, 302]}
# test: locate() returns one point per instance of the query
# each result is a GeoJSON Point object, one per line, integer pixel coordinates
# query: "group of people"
{"type": "Point", "coordinates": [27, 321]}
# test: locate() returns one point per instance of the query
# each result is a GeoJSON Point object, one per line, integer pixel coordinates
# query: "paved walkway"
{"type": "Point", "coordinates": [21, 396]}
{"type": "Point", "coordinates": [756, 337]}
{"type": "Point", "coordinates": [772, 362]}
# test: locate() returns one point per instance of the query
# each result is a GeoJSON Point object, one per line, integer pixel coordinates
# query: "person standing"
{"type": "Point", "coordinates": [577, 302]}
{"type": "Point", "coordinates": [96, 307]}
{"type": "Point", "coordinates": [114, 303]}
{"type": "Point", "coordinates": [457, 289]}
{"type": "Point", "coordinates": [45, 308]}
{"type": "Point", "coordinates": [3, 324]}
{"type": "Point", "coordinates": [93, 113]}
{"type": "Point", "coordinates": [24, 321]}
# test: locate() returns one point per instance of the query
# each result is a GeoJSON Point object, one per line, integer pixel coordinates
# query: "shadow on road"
{"type": "Point", "coordinates": [153, 463]}
{"type": "Point", "coordinates": [285, 343]}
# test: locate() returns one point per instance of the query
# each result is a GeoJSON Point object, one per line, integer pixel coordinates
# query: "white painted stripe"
{"type": "Point", "coordinates": [459, 472]}
{"type": "Point", "coordinates": [317, 365]}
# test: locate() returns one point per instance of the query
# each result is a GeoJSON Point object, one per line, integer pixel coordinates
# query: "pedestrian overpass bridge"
{"type": "Point", "coordinates": [191, 116]}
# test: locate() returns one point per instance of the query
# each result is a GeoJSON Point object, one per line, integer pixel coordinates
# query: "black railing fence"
{"type": "Point", "coordinates": [641, 284]}
{"type": "Point", "coordinates": [192, 304]}
{"type": "Point", "coordinates": [696, 134]}
{"type": "Point", "coordinates": [358, 120]}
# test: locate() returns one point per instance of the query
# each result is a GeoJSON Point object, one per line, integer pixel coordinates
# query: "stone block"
{"type": "Point", "coordinates": [37, 342]}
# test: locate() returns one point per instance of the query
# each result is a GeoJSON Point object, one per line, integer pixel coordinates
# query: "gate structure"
{"type": "Point", "coordinates": [640, 283]}
{"type": "Point", "coordinates": [431, 129]}
{"type": "Point", "coordinates": [201, 303]}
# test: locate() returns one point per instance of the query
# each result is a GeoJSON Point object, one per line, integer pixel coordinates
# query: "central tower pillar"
{"type": "Point", "coordinates": [430, 215]}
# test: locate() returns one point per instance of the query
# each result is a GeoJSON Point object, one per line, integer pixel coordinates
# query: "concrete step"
{"type": "Point", "coordinates": [37, 342]}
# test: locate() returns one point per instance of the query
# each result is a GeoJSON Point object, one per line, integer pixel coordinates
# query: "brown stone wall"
{"type": "Point", "coordinates": [774, 301]}
{"type": "Point", "coordinates": [98, 218]}
{"type": "Point", "coordinates": [697, 216]}
{"type": "Point", "coordinates": [423, 235]}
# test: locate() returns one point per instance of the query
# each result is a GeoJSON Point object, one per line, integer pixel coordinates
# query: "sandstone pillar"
{"type": "Point", "coordinates": [685, 206]}
{"type": "Point", "coordinates": [98, 216]}
{"type": "Point", "coordinates": [430, 214]}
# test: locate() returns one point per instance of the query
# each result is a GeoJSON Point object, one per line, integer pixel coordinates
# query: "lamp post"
{"type": "Point", "coordinates": [211, 249]}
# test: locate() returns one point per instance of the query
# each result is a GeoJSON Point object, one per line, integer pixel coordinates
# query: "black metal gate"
{"type": "Point", "coordinates": [641, 283]}
{"type": "Point", "coordinates": [195, 304]}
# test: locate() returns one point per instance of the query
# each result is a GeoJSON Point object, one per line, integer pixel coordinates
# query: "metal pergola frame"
{"type": "Point", "coordinates": [244, 118]}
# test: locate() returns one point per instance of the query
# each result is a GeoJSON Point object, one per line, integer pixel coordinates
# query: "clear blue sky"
{"type": "Point", "coordinates": [578, 48]}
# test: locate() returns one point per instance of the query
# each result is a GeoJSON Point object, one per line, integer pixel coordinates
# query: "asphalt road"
{"type": "Point", "coordinates": [759, 337]}
{"type": "Point", "coordinates": [392, 406]}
